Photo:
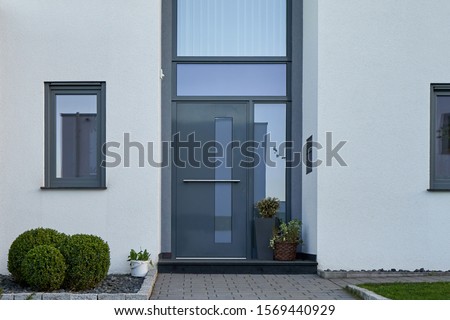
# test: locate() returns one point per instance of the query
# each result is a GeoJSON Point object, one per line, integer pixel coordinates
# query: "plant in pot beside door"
{"type": "Point", "coordinates": [264, 226]}
{"type": "Point", "coordinates": [286, 239]}
{"type": "Point", "coordinates": [139, 262]}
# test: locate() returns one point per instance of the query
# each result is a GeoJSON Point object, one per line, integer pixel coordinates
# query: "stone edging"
{"type": "Point", "coordinates": [376, 274]}
{"type": "Point", "coordinates": [364, 293]}
{"type": "Point", "coordinates": [143, 294]}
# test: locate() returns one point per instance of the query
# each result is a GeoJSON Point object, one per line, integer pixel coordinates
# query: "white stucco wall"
{"type": "Point", "coordinates": [85, 40]}
{"type": "Point", "coordinates": [375, 65]}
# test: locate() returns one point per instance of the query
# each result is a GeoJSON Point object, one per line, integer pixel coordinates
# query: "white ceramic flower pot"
{"type": "Point", "coordinates": [139, 268]}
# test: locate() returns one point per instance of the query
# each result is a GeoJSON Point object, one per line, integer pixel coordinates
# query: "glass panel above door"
{"type": "Point", "coordinates": [231, 79]}
{"type": "Point", "coordinates": [212, 28]}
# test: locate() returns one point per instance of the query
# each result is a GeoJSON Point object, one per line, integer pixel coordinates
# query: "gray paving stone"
{"type": "Point", "coordinates": [222, 298]}
{"type": "Point", "coordinates": [7, 296]}
{"type": "Point", "coordinates": [28, 296]}
{"type": "Point", "coordinates": [136, 296]}
{"type": "Point", "coordinates": [226, 297]}
{"type": "Point", "coordinates": [83, 296]}
{"type": "Point", "coordinates": [248, 298]}
{"type": "Point", "coordinates": [56, 296]}
{"type": "Point", "coordinates": [168, 298]}
{"type": "Point", "coordinates": [111, 296]}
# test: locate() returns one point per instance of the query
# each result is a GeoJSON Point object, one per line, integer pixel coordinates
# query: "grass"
{"type": "Point", "coordinates": [411, 291]}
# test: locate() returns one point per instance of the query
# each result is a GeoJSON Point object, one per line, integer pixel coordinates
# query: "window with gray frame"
{"type": "Point", "coordinates": [75, 133]}
{"type": "Point", "coordinates": [440, 137]}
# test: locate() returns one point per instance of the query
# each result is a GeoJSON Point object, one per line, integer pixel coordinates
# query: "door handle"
{"type": "Point", "coordinates": [210, 181]}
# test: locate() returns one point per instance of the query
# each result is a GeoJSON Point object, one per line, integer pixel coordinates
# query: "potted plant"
{"type": "Point", "coordinates": [264, 226]}
{"type": "Point", "coordinates": [286, 239]}
{"type": "Point", "coordinates": [139, 262]}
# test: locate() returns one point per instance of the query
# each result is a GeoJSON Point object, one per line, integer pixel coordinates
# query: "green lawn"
{"type": "Point", "coordinates": [411, 291]}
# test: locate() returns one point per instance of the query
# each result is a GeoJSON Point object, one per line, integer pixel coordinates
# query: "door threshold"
{"type": "Point", "coordinates": [201, 258]}
{"type": "Point", "coordinates": [236, 266]}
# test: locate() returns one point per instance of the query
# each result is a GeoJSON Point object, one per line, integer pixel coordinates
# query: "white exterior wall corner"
{"type": "Point", "coordinates": [376, 60]}
{"type": "Point", "coordinates": [114, 41]}
{"type": "Point", "coordinates": [309, 114]}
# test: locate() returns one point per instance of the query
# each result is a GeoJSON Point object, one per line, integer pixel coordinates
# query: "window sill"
{"type": "Point", "coordinates": [438, 190]}
{"type": "Point", "coordinates": [73, 188]}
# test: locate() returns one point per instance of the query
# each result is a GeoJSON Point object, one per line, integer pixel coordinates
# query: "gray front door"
{"type": "Point", "coordinates": [211, 182]}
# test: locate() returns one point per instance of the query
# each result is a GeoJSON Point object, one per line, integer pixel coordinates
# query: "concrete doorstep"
{"type": "Point", "coordinates": [143, 294]}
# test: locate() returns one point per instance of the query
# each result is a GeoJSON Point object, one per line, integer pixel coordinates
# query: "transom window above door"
{"type": "Point", "coordinates": [245, 28]}
{"type": "Point", "coordinates": [231, 79]}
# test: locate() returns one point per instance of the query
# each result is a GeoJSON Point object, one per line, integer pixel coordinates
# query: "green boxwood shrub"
{"type": "Point", "coordinates": [44, 268]}
{"type": "Point", "coordinates": [27, 241]}
{"type": "Point", "coordinates": [87, 258]}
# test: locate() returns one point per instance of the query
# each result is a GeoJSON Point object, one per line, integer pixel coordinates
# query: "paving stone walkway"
{"type": "Point", "coordinates": [245, 287]}
{"type": "Point", "coordinates": [264, 287]}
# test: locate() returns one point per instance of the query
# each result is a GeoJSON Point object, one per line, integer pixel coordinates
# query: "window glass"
{"type": "Point", "coordinates": [223, 191]}
{"type": "Point", "coordinates": [76, 136]}
{"type": "Point", "coordinates": [231, 28]}
{"type": "Point", "coordinates": [231, 79]}
{"type": "Point", "coordinates": [270, 134]}
{"type": "Point", "coordinates": [442, 138]}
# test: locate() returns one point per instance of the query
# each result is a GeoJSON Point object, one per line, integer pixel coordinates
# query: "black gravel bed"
{"type": "Point", "coordinates": [114, 283]}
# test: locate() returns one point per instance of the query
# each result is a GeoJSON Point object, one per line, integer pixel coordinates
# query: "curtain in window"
{"type": "Point", "coordinates": [231, 28]}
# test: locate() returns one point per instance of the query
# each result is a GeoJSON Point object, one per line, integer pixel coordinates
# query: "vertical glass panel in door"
{"type": "Point", "coordinates": [231, 28]}
{"type": "Point", "coordinates": [231, 79]}
{"type": "Point", "coordinates": [223, 191]}
{"type": "Point", "coordinates": [76, 136]}
{"type": "Point", "coordinates": [442, 139]}
{"type": "Point", "coordinates": [270, 134]}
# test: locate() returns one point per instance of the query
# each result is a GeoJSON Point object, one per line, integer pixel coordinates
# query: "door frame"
{"type": "Point", "coordinates": [169, 99]}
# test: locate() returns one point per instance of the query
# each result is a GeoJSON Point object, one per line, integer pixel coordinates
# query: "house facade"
{"type": "Point", "coordinates": [158, 124]}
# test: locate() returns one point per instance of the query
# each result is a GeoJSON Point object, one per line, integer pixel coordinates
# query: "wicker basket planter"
{"type": "Point", "coordinates": [285, 251]}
